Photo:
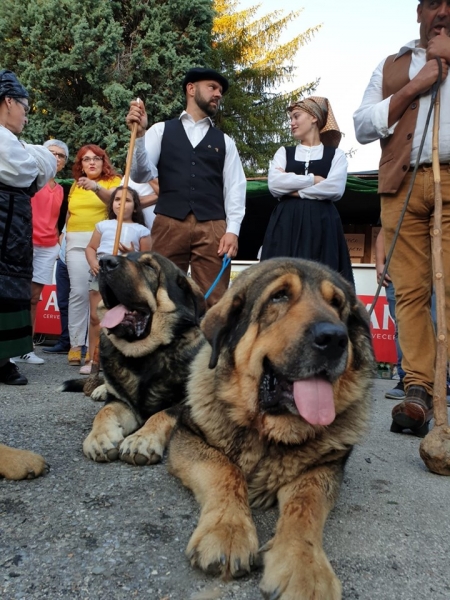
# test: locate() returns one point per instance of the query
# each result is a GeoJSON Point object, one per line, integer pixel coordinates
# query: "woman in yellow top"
{"type": "Point", "coordinates": [94, 177]}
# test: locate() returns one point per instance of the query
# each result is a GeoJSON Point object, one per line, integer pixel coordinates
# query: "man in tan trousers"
{"type": "Point", "coordinates": [394, 110]}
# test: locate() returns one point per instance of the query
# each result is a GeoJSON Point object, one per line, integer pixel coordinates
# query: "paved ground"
{"type": "Point", "coordinates": [94, 531]}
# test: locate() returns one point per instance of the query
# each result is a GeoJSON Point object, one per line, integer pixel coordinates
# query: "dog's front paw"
{"type": "Point", "coordinates": [302, 573]}
{"type": "Point", "coordinates": [21, 464]}
{"type": "Point", "coordinates": [140, 449]}
{"type": "Point", "coordinates": [224, 543]}
{"type": "Point", "coordinates": [99, 394]}
{"type": "Point", "coordinates": [103, 446]}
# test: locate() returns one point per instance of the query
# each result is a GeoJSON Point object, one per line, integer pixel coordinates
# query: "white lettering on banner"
{"type": "Point", "coordinates": [386, 317]}
{"type": "Point", "coordinates": [382, 336]}
{"type": "Point", "coordinates": [373, 318]}
{"type": "Point", "coordinates": [52, 301]}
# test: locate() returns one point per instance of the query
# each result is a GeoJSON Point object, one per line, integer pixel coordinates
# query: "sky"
{"type": "Point", "coordinates": [355, 36]}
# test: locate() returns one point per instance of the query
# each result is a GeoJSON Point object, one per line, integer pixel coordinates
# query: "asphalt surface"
{"type": "Point", "coordinates": [97, 531]}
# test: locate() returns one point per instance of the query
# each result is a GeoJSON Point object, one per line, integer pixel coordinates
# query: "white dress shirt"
{"type": "Point", "coordinates": [371, 118]}
{"type": "Point", "coordinates": [148, 150]}
{"type": "Point", "coordinates": [21, 164]}
{"type": "Point", "coordinates": [331, 188]}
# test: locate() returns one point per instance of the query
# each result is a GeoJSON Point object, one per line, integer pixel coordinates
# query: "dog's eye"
{"type": "Point", "coordinates": [148, 264]}
{"type": "Point", "coordinates": [280, 296]}
{"type": "Point", "coordinates": [336, 302]}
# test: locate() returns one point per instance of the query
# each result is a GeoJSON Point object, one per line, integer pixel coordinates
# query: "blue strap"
{"type": "Point", "coordinates": [226, 261]}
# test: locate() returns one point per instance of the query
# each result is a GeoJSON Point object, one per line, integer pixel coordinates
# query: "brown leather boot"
{"type": "Point", "coordinates": [414, 413]}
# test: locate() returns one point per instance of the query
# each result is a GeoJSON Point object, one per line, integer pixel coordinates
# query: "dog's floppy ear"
{"type": "Point", "coordinates": [220, 321]}
{"type": "Point", "coordinates": [194, 295]}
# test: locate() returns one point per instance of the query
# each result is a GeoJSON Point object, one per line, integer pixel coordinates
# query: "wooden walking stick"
{"type": "Point", "coordinates": [435, 447]}
{"type": "Point", "coordinates": [94, 380]}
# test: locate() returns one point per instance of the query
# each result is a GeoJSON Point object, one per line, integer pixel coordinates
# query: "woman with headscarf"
{"type": "Point", "coordinates": [24, 169]}
{"type": "Point", "coordinates": [308, 179]}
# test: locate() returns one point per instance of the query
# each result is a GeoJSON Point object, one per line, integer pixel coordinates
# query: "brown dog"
{"type": "Point", "coordinates": [276, 401]}
{"type": "Point", "coordinates": [20, 464]}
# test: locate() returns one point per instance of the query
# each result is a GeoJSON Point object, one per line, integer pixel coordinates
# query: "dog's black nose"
{"type": "Point", "coordinates": [331, 340]}
{"type": "Point", "coordinates": [108, 262]}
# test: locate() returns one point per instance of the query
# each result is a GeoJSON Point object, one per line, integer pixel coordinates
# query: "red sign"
{"type": "Point", "coordinates": [382, 328]}
{"type": "Point", "coordinates": [47, 312]}
{"type": "Point", "coordinates": [381, 324]}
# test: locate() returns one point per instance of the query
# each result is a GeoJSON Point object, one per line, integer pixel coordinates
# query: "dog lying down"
{"type": "Point", "coordinates": [150, 314]}
{"type": "Point", "coordinates": [276, 398]}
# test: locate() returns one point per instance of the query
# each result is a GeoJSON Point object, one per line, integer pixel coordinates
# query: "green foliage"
{"type": "Point", "coordinates": [247, 49]}
{"type": "Point", "coordinates": [83, 62]}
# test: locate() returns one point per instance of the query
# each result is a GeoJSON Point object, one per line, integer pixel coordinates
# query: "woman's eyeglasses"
{"type": "Point", "coordinates": [87, 159]}
{"type": "Point", "coordinates": [59, 155]}
{"type": "Point", "coordinates": [25, 106]}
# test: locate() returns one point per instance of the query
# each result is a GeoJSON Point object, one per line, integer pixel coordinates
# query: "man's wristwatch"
{"type": "Point", "coordinates": [97, 188]}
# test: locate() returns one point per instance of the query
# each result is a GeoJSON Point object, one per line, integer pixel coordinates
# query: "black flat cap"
{"type": "Point", "coordinates": [201, 74]}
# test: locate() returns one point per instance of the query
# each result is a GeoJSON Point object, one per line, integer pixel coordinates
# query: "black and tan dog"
{"type": "Point", "coordinates": [150, 335]}
{"type": "Point", "coordinates": [276, 401]}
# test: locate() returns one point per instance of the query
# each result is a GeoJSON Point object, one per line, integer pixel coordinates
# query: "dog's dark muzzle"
{"type": "Point", "coordinates": [108, 263]}
{"type": "Point", "coordinates": [328, 340]}
{"type": "Point", "coordinates": [321, 353]}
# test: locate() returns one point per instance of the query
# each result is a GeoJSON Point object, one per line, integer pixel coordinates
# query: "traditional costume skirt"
{"type": "Point", "coordinates": [311, 229]}
{"type": "Point", "coordinates": [15, 328]}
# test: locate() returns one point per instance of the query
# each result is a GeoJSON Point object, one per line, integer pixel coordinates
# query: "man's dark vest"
{"type": "Point", "coordinates": [396, 149]}
{"type": "Point", "coordinates": [191, 179]}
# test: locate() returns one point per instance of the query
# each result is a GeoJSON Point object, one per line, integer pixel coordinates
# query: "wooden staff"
{"type": "Point", "coordinates": [123, 197]}
{"type": "Point", "coordinates": [435, 447]}
{"type": "Point", "coordinates": [93, 380]}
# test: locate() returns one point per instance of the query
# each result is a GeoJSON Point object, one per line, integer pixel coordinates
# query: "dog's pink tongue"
{"type": "Point", "coordinates": [114, 316]}
{"type": "Point", "coordinates": [314, 401]}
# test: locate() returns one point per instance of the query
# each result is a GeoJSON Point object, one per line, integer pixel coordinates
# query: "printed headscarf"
{"type": "Point", "coordinates": [320, 108]}
{"type": "Point", "coordinates": [11, 86]}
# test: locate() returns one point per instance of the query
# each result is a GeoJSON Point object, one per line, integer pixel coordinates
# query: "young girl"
{"type": "Point", "coordinates": [134, 237]}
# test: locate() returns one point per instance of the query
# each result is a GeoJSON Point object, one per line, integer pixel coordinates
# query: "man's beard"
{"type": "Point", "coordinates": [205, 106]}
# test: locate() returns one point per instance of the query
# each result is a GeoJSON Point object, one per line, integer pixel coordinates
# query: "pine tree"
{"type": "Point", "coordinates": [83, 62]}
{"type": "Point", "coordinates": [247, 50]}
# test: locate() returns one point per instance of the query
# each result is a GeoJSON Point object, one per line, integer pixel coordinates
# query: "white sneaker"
{"type": "Point", "coordinates": [29, 358]}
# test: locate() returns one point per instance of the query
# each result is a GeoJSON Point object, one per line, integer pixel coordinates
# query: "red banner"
{"type": "Point", "coordinates": [47, 312]}
{"type": "Point", "coordinates": [382, 328]}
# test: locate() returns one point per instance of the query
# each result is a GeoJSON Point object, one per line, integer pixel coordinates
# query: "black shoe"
{"type": "Point", "coordinates": [57, 349]}
{"type": "Point", "coordinates": [11, 375]}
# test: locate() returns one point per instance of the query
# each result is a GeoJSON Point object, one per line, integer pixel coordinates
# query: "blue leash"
{"type": "Point", "coordinates": [226, 261]}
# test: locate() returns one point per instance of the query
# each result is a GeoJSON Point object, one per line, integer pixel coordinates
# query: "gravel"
{"type": "Point", "coordinates": [94, 531]}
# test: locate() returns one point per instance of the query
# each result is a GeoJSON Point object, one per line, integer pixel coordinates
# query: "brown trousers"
{"type": "Point", "coordinates": [194, 243]}
{"type": "Point", "coordinates": [411, 270]}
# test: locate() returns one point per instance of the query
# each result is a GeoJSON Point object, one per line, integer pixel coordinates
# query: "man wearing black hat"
{"type": "Point", "coordinates": [394, 110]}
{"type": "Point", "coordinates": [202, 185]}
